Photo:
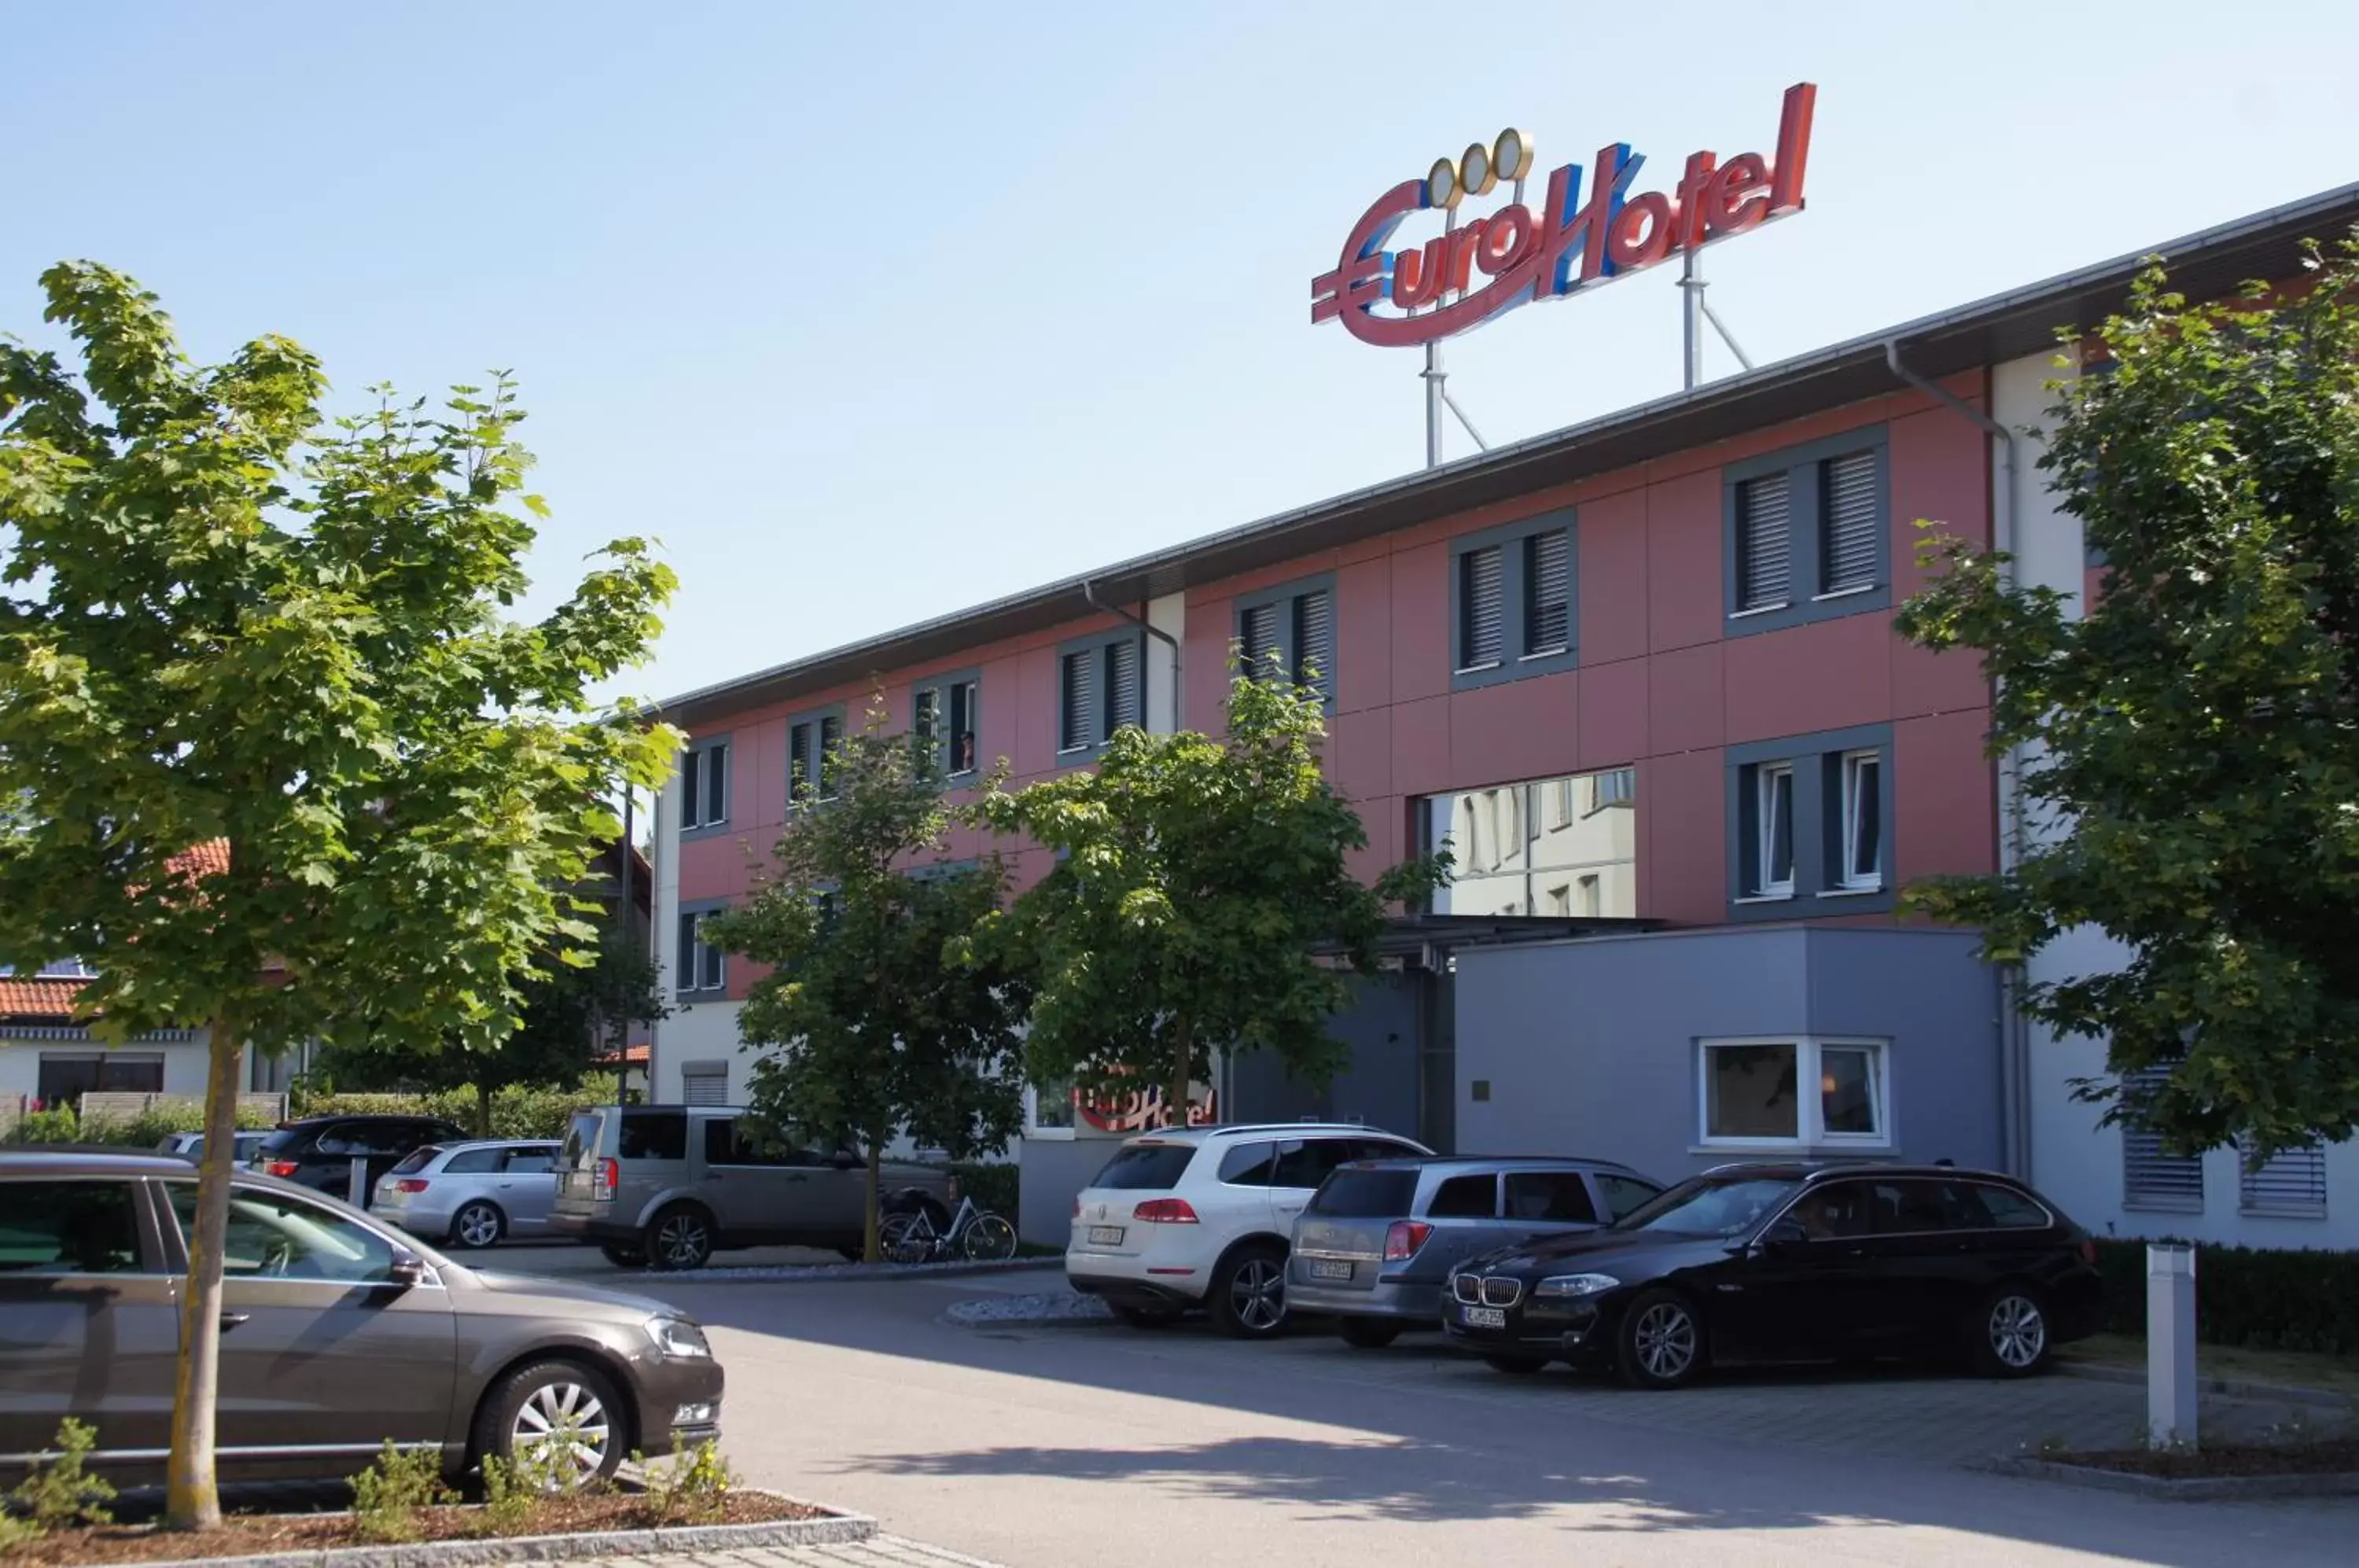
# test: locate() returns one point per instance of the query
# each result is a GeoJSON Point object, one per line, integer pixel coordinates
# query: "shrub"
{"type": "Point", "coordinates": [692, 1488]}
{"type": "Point", "coordinates": [56, 1492]}
{"type": "Point", "coordinates": [2260, 1298]}
{"type": "Point", "coordinates": [994, 1186]}
{"type": "Point", "coordinates": [388, 1494]}
{"type": "Point", "coordinates": [56, 1125]}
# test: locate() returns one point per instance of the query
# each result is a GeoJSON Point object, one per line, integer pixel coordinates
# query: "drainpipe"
{"type": "Point", "coordinates": [1090, 592]}
{"type": "Point", "coordinates": [2015, 1047]}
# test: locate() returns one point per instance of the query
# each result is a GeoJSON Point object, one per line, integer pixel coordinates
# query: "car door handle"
{"type": "Point", "coordinates": [230, 1320]}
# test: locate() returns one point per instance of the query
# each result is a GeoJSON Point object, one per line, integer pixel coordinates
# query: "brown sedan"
{"type": "Point", "coordinates": [337, 1333]}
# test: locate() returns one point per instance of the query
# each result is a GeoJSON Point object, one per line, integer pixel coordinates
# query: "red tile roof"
{"type": "Point", "coordinates": [50, 996]}
{"type": "Point", "coordinates": [208, 859]}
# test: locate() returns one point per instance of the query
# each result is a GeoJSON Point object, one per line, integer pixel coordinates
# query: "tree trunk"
{"type": "Point", "coordinates": [482, 1109]}
{"type": "Point", "coordinates": [190, 1499]}
{"type": "Point", "coordinates": [1183, 1070]}
{"type": "Point", "coordinates": [871, 1249]}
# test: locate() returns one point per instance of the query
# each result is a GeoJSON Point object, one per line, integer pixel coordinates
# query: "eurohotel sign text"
{"type": "Point", "coordinates": [1477, 269]}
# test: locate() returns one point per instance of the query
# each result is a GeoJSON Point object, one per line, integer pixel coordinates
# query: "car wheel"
{"type": "Point", "coordinates": [623, 1257]}
{"type": "Point", "coordinates": [1516, 1365]}
{"type": "Point", "coordinates": [680, 1237]}
{"type": "Point", "coordinates": [1144, 1317]}
{"type": "Point", "coordinates": [2010, 1333]}
{"type": "Point", "coordinates": [1660, 1343]}
{"type": "Point", "coordinates": [1249, 1297]}
{"type": "Point", "coordinates": [560, 1410]}
{"type": "Point", "coordinates": [477, 1225]}
{"type": "Point", "coordinates": [1368, 1333]}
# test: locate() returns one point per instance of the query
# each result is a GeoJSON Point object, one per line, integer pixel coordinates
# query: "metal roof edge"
{"type": "Point", "coordinates": [1790, 372]}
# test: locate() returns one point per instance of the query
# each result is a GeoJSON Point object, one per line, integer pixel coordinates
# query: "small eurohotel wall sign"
{"type": "Point", "coordinates": [1478, 268]}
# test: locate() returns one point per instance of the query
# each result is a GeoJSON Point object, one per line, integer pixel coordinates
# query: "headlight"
{"type": "Point", "coordinates": [1575, 1285]}
{"type": "Point", "coordinates": [678, 1336]}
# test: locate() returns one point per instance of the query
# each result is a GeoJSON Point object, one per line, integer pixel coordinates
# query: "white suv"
{"type": "Point", "coordinates": [1199, 1217]}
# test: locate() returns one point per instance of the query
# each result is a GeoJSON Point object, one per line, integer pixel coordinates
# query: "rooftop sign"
{"type": "Point", "coordinates": [1431, 293]}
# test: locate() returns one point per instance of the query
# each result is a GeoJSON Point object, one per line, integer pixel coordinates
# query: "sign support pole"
{"type": "Point", "coordinates": [1434, 378]}
{"type": "Point", "coordinates": [1691, 317]}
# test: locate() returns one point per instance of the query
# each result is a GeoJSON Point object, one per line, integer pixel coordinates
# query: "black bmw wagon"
{"type": "Point", "coordinates": [1789, 1262]}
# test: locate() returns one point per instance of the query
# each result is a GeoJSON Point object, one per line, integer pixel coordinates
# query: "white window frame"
{"type": "Point", "coordinates": [697, 795]}
{"type": "Point", "coordinates": [1766, 776]}
{"type": "Point", "coordinates": [1809, 1108]}
{"type": "Point", "coordinates": [1853, 878]}
{"type": "Point", "coordinates": [691, 970]}
{"type": "Point", "coordinates": [1032, 1127]}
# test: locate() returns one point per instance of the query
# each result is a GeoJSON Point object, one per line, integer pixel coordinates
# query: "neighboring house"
{"type": "Point", "coordinates": [1640, 675]}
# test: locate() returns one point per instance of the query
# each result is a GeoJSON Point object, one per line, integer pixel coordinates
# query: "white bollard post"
{"type": "Point", "coordinates": [357, 1194]}
{"type": "Point", "coordinates": [2171, 1385]}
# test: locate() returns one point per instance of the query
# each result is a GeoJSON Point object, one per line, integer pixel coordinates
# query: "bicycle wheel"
{"type": "Point", "coordinates": [990, 1239]}
{"type": "Point", "coordinates": [905, 1238]}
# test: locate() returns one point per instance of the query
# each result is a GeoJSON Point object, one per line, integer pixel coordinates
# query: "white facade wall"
{"type": "Point", "coordinates": [20, 1062]}
{"type": "Point", "coordinates": [2074, 1160]}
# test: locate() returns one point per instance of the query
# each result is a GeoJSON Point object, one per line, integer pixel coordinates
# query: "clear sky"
{"type": "Point", "coordinates": [869, 314]}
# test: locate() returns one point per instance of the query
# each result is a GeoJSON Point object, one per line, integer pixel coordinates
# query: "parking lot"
{"type": "Point", "coordinates": [1032, 1445]}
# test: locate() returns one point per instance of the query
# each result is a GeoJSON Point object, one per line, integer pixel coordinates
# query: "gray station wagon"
{"type": "Point", "coordinates": [1375, 1247]}
{"type": "Point", "coordinates": [666, 1186]}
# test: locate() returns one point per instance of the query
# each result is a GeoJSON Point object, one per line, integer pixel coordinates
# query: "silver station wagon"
{"type": "Point", "coordinates": [471, 1195]}
{"type": "Point", "coordinates": [1377, 1242]}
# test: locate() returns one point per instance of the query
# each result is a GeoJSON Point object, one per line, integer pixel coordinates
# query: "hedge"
{"type": "Point", "coordinates": [2260, 1298]}
{"type": "Point", "coordinates": [516, 1111]}
{"type": "Point", "coordinates": [993, 1186]}
{"type": "Point", "coordinates": [145, 1130]}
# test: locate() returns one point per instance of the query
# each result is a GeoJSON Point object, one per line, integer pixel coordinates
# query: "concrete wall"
{"type": "Point", "coordinates": [1590, 1047]}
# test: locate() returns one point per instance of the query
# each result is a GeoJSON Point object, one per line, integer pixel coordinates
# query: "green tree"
{"type": "Point", "coordinates": [230, 622]}
{"type": "Point", "coordinates": [892, 1004]}
{"type": "Point", "coordinates": [2190, 761]}
{"type": "Point", "coordinates": [1195, 878]}
{"type": "Point", "coordinates": [567, 1012]}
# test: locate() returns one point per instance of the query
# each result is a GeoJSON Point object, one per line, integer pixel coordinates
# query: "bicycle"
{"type": "Point", "coordinates": [978, 1235]}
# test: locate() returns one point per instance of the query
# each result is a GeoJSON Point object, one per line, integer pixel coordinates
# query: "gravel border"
{"type": "Point", "coordinates": [2185, 1489]}
{"type": "Point", "coordinates": [825, 1273]}
{"type": "Point", "coordinates": [2225, 1387]}
{"type": "Point", "coordinates": [836, 1529]}
{"type": "Point", "coordinates": [1048, 1309]}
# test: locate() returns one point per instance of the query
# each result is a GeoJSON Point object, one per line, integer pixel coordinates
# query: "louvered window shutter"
{"type": "Point", "coordinates": [717, 785]}
{"type": "Point", "coordinates": [2293, 1182]}
{"type": "Point", "coordinates": [2151, 1176]}
{"type": "Point", "coordinates": [831, 730]}
{"type": "Point", "coordinates": [1122, 685]}
{"type": "Point", "coordinates": [1850, 523]}
{"type": "Point", "coordinates": [691, 793]}
{"type": "Point", "coordinates": [799, 762]}
{"type": "Point", "coordinates": [1548, 593]}
{"type": "Point", "coordinates": [1314, 642]}
{"type": "Point", "coordinates": [1482, 623]}
{"type": "Point", "coordinates": [1763, 543]}
{"type": "Point", "coordinates": [1260, 638]}
{"type": "Point", "coordinates": [1080, 686]}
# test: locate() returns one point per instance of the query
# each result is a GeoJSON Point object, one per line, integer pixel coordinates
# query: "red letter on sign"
{"type": "Point", "coordinates": [1694, 186]}
{"type": "Point", "coordinates": [1417, 275]}
{"type": "Point", "coordinates": [1642, 231]}
{"type": "Point", "coordinates": [1738, 202]}
{"type": "Point", "coordinates": [1793, 148]}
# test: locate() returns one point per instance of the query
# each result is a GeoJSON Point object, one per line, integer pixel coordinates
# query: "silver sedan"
{"type": "Point", "coordinates": [470, 1194]}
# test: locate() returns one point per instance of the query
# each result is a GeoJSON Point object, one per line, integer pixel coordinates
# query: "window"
{"type": "Point", "coordinates": [1754, 1092]}
{"type": "Point", "coordinates": [1303, 1163]}
{"type": "Point", "coordinates": [1625, 1195]}
{"type": "Point", "coordinates": [701, 1084]}
{"type": "Point", "coordinates": [2002, 1208]}
{"type": "Point", "coordinates": [704, 785]}
{"type": "Point", "coordinates": [1558, 1196]}
{"type": "Point", "coordinates": [1523, 849]}
{"type": "Point", "coordinates": [2153, 1177]}
{"type": "Point", "coordinates": [1099, 690]}
{"type": "Point", "coordinates": [1769, 832]}
{"type": "Point", "coordinates": [1861, 864]}
{"type": "Point", "coordinates": [1367, 1194]}
{"type": "Point", "coordinates": [1288, 634]}
{"type": "Point", "coordinates": [531, 1161]}
{"type": "Point", "coordinates": [701, 966]}
{"type": "Point", "coordinates": [67, 969]}
{"type": "Point", "coordinates": [64, 1077]}
{"type": "Point", "coordinates": [68, 1227]}
{"type": "Point", "coordinates": [1148, 1167]}
{"type": "Point", "coordinates": [273, 1237]}
{"type": "Point", "coordinates": [812, 740]}
{"type": "Point", "coordinates": [1806, 533]}
{"type": "Point", "coordinates": [1048, 1109]}
{"type": "Point", "coordinates": [944, 724]}
{"type": "Point", "coordinates": [1465, 1198]}
{"type": "Point", "coordinates": [1511, 608]}
{"type": "Point", "coordinates": [655, 1135]}
{"type": "Point", "coordinates": [475, 1162]}
{"type": "Point", "coordinates": [2291, 1185]}
{"type": "Point", "coordinates": [1249, 1164]}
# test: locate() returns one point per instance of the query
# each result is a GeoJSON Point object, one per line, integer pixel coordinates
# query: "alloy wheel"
{"type": "Point", "coordinates": [1258, 1294]}
{"type": "Point", "coordinates": [2019, 1333]}
{"type": "Point", "coordinates": [478, 1225]}
{"type": "Point", "coordinates": [1665, 1338]}
{"type": "Point", "coordinates": [563, 1426]}
{"type": "Point", "coordinates": [680, 1241]}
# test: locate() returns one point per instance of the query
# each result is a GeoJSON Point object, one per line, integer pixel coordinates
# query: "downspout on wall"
{"type": "Point", "coordinates": [1179, 697]}
{"type": "Point", "coordinates": [2014, 1057]}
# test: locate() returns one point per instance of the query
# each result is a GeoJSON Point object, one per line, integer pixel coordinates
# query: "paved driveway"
{"type": "Point", "coordinates": [1041, 1447]}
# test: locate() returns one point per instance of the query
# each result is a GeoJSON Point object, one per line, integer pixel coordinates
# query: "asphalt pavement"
{"type": "Point", "coordinates": [1044, 1447]}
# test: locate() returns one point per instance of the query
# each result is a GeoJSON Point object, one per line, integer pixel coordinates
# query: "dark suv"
{"type": "Point", "coordinates": [319, 1151]}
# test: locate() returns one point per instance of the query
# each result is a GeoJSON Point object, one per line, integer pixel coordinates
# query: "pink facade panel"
{"type": "Point", "coordinates": [1614, 729]}
{"type": "Point", "coordinates": [1682, 586]}
{"type": "Point", "coordinates": [1945, 805]}
{"type": "Point", "coordinates": [1360, 753]}
{"type": "Point", "coordinates": [1420, 623]}
{"type": "Point", "coordinates": [1612, 547]}
{"type": "Point", "coordinates": [1686, 707]}
{"type": "Point", "coordinates": [1422, 755]}
{"type": "Point", "coordinates": [1521, 729]}
{"type": "Point", "coordinates": [1364, 635]}
{"type": "Point", "coordinates": [1682, 818]}
{"type": "Point", "coordinates": [1822, 675]}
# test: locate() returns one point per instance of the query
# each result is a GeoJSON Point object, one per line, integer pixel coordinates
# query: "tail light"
{"type": "Point", "coordinates": [411, 1185]}
{"type": "Point", "coordinates": [1164, 1211]}
{"type": "Point", "coordinates": [1077, 1205]}
{"type": "Point", "coordinates": [2089, 1251]}
{"type": "Point", "coordinates": [1404, 1239]}
{"type": "Point", "coordinates": [281, 1167]}
{"type": "Point", "coordinates": [605, 1177]}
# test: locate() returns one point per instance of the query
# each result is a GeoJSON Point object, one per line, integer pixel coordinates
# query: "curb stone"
{"type": "Point", "coordinates": [2185, 1489]}
{"type": "Point", "coordinates": [834, 1529]}
{"type": "Point", "coordinates": [836, 1273]}
{"type": "Point", "coordinates": [2224, 1388]}
{"type": "Point", "coordinates": [1049, 1310]}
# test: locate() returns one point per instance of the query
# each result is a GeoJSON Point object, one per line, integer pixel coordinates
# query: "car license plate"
{"type": "Point", "coordinates": [1483, 1317]}
{"type": "Point", "coordinates": [1106, 1235]}
{"type": "Point", "coordinates": [1324, 1268]}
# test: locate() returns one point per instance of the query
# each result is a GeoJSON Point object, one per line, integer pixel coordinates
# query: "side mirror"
{"type": "Point", "coordinates": [1782, 1237]}
{"type": "Point", "coordinates": [408, 1270]}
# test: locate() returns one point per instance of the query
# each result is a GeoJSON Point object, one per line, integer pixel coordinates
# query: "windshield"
{"type": "Point", "coordinates": [1145, 1166]}
{"type": "Point", "coordinates": [1365, 1194]}
{"type": "Point", "coordinates": [417, 1160]}
{"type": "Point", "coordinates": [1728, 1205]}
{"type": "Point", "coordinates": [581, 1140]}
